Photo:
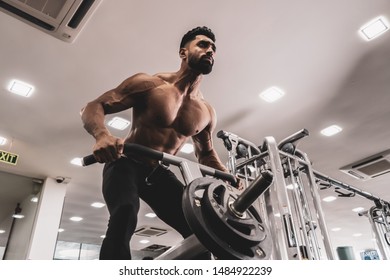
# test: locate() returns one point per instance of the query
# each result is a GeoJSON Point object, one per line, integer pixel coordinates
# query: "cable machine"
{"type": "Point", "coordinates": [292, 205]}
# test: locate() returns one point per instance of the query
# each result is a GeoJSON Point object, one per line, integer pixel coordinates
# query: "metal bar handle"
{"type": "Point", "coordinates": [166, 158]}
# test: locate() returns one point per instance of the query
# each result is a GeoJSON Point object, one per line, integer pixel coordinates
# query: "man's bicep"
{"type": "Point", "coordinates": [127, 94]}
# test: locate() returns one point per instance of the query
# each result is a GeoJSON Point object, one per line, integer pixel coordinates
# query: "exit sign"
{"type": "Point", "coordinates": [8, 157]}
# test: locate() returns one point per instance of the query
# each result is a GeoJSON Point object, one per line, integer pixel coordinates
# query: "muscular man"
{"type": "Point", "coordinates": [168, 108]}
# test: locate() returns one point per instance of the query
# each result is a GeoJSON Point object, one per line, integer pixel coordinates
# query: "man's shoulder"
{"type": "Point", "coordinates": [144, 77]}
{"type": "Point", "coordinates": [165, 76]}
{"type": "Point", "coordinates": [141, 82]}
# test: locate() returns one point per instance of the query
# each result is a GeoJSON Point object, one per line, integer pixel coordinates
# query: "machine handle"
{"type": "Point", "coordinates": [127, 149]}
{"type": "Point", "coordinates": [170, 159]}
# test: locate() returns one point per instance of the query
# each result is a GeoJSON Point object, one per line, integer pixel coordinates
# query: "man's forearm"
{"type": "Point", "coordinates": [93, 117]}
{"type": "Point", "coordinates": [212, 160]}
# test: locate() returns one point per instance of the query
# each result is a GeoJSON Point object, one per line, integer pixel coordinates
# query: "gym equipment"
{"type": "Point", "coordinates": [378, 215]}
{"type": "Point", "coordinates": [223, 219]}
{"type": "Point", "coordinates": [289, 204]}
{"type": "Point", "coordinates": [379, 218]}
{"type": "Point", "coordinates": [278, 215]}
{"type": "Point", "coordinates": [189, 169]}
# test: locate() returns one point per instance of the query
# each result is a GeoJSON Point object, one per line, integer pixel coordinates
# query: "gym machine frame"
{"type": "Point", "coordinates": [379, 218]}
{"type": "Point", "coordinates": [289, 202]}
{"type": "Point", "coordinates": [378, 215]}
{"type": "Point", "coordinates": [288, 165]}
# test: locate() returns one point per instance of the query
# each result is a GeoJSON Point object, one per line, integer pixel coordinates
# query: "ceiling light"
{"type": "Point", "coordinates": [331, 130]}
{"type": "Point", "coordinates": [20, 88]}
{"type": "Point", "coordinates": [76, 219]}
{"type": "Point", "coordinates": [2, 231]}
{"type": "Point", "coordinates": [34, 199]}
{"type": "Point", "coordinates": [144, 241]}
{"type": "Point", "coordinates": [357, 234]}
{"type": "Point", "coordinates": [272, 94]}
{"type": "Point", "coordinates": [329, 198]}
{"type": "Point", "coordinates": [358, 209]}
{"type": "Point", "coordinates": [102, 236]}
{"type": "Point", "coordinates": [374, 28]}
{"type": "Point", "coordinates": [77, 161]}
{"type": "Point", "coordinates": [3, 140]}
{"type": "Point", "coordinates": [61, 230]}
{"type": "Point", "coordinates": [119, 123]}
{"type": "Point", "coordinates": [98, 205]}
{"type": "Point", "coordinates": [150, 215]}
{"type": "Point", "coordinates": [18, 216]}
{"type": "Point", "coordinates": [187, 148]}
{"type": "Point", "coordinates": [336, 229]}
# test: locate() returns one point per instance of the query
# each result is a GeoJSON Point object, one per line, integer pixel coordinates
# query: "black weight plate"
{"type": "Point", "coordinates": [204, 228]}
{"type": "Point", "coordinates": [387, 237]}
{"type": "Point", "coordinates": [237, 231]}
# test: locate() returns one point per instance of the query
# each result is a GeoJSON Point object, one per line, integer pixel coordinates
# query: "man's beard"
{"type": "Point", "coordinates": [202, 65]}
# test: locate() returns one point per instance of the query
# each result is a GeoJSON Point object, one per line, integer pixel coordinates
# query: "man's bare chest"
{"type": "Point", "coordinates": [188, 115]}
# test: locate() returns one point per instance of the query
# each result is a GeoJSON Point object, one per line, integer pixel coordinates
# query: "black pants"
{"type": "Point", "coordinates": [123, 186]}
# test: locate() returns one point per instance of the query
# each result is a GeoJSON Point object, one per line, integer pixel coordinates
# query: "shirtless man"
{"type": "Point", "coordinates": [168, 108]}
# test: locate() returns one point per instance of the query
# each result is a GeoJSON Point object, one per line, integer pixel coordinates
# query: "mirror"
{"type": "Point", "coordinates": [18, 195]}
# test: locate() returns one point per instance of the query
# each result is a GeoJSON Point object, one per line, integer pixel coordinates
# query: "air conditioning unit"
{"type": "Point", "coordinates": [63, 19]}
{"type": "Point", "coordinates": [150, 231]}
{"type": "Point", "coordinates": [370, 167]}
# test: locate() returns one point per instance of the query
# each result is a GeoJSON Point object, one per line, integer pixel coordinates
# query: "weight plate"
{"type": "Point", "coordinates": [243, 231]}
{"type": "Point", "coordinates": [387, 237]}
{"type": "Point", "coordinates": [206, 208]}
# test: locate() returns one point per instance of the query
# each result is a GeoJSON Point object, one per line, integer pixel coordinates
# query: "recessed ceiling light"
{"type": "Point", "coordinates": [144, 241]}
{"type": "Point", "coordinates": [98, 205]}
{"type": "Point", "coordinates": [329, 198]}
{"type": "Point", "coordinates": [336, 229]}
{"type": "Point", "coordinates": [272, 94]}
{"type": "Point", "coordinates": [61, 230]}
{"type": "Point", "coordinates": [331, 130]}
{"type": "Point", "coordinates": [77, 161]}
{"type": "Point", "coordinates": [150, 215]}
{"type": "Point", "coordinates": [18, 216]}
{"type": "Point", "coordinates": [3, 140]}
{"type": "Point", "coordinates": [34, 199]}
{"type": "Point", "coordinates": [374, 28]}
{"type": "Point", "coordinates": [76, 219]}
{"type": "Point", "coordinates": [102, 236]}
{"type": "Point", "coordinates": [119, 123]}
{"type": "Point", "coordinates": [358, 209]}
{"type": "Point", "coordinates": [20, 88]}
{"type": "Point", "coordinates": [187, 148]}
{"type": "Point", "coordinates": [2, 231]}
{"type": "Point", "coordinates": [357, 234]}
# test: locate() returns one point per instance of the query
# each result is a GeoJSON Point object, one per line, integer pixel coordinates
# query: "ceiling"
{"type": "Point", "coordinates": [311, 50]}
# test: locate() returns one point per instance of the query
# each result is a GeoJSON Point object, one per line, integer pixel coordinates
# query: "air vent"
{"type": "Point", "coordinates": [371, 167]}
{"type": "Point", "coordinates": [63, 19]}
{"type": "Point", "coordinates": [156, 248]}
{"type": "Point", "coordinates": [150, 231]}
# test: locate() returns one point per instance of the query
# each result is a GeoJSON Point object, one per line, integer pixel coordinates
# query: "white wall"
{"type": "Point", "coordinates": [45, 231]}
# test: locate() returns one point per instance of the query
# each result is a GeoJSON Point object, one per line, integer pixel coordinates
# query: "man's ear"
{"type": "Point", "coordinates": [183, 53]}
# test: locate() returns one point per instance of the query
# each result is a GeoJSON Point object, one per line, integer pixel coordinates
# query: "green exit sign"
{"type": "Point", "coordinates": [8, 157]}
